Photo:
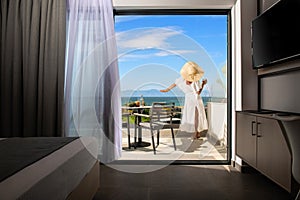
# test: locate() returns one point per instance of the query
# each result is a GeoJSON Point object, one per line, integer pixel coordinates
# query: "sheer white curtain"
{"type": "Point", "coordinates": [92, 90]}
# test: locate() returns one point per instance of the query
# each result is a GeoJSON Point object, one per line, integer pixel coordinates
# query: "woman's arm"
{"type": "Point", "coordinates": [204, 81]}
{"type": "Point", "coordinates": [169, 88]}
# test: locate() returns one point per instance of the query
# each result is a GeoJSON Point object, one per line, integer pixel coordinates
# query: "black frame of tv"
{"type": "Point", "coordinates": [276, 34]}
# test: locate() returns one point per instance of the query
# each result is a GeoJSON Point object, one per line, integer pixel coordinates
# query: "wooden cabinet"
{"type": "Point", "coordinates": [261, 144]}
{"type": "Point", "coordinates": [246, 138]}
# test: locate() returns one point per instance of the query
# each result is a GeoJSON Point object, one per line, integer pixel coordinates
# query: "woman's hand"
{"type": "Point", "coordinates": [169, 88]}
{"type": "Point", "coordinates": [204, 81]}
{"type": "Point", "coordinates": [166, 90]}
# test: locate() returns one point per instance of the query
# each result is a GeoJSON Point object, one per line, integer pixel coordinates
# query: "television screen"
{"type": "Point", "coordinates": [276, 34]}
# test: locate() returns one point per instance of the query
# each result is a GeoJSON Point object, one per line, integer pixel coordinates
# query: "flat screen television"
{"type": "Point", "coordinates": [276, 34]}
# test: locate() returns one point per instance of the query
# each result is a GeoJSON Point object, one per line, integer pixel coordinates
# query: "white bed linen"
{"type": "Point", "coordinates": [54, 176]}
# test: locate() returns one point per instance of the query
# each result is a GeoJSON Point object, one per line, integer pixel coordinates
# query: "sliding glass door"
{"type": "Point", "coordinates": [152, 48]}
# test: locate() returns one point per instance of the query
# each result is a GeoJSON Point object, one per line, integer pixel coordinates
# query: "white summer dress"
{"type": "Point", "coordinates": [192, 102]}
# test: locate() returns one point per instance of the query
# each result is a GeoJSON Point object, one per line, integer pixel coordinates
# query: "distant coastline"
{"type": "Point", "coordinates": [179, 101]}
{"type": "Point", "coordinates": [156, 93]}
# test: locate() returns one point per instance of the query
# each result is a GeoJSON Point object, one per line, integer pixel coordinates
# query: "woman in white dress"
{"type": "Point", "coordinates": [193, 114]}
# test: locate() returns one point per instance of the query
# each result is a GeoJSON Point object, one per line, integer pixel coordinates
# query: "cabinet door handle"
{"type": "Point", "coordinates": [258, 130]}
{"type": "Point", "coordinates": [253, 128]}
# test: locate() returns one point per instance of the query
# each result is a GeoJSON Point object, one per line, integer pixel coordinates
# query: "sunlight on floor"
{"type": "Point", "coordinates": [187, 148]}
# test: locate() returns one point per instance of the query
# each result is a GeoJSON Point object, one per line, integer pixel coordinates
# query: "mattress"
{"type": "Point", "coordinates": [55, 175]}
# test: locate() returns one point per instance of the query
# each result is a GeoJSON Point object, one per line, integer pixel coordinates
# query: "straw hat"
{"type": "Point", "coordinates": [191, 72]}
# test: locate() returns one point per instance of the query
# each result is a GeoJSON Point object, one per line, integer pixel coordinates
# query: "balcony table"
{"type": "Point", "coordinates": [139, 110]}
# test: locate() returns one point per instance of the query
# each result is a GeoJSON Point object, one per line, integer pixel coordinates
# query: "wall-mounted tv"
{"type": "Point", "coordinates": [276, 34]}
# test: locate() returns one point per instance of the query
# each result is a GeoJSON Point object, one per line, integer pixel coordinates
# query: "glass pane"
{"type": "Point", "coordinates": [152, 50]}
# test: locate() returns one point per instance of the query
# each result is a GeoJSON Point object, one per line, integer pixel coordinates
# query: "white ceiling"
{"type": "Point", "coordinates": [173, 4]}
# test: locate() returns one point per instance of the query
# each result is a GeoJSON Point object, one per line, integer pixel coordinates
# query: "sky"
{"type": "Point", "coordinates": [153, 48]}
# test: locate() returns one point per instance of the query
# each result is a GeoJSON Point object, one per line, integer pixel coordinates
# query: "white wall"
{"type": "Point", "coordinates": [236, 72]}
{"type": "Point", "coordinates": [244, 88]}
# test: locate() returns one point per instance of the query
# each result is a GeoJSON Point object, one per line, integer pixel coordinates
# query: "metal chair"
{"type": "Point", "coordinates": [160, 117]}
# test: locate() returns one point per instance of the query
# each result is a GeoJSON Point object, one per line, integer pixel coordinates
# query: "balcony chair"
{"type": "Point", "coordinates": [161, 116]}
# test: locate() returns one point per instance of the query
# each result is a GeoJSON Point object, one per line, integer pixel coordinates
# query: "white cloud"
{"type": "Point", "coordinates": [216, 54]}
{"type": "Point", "coordinates": [157, 39]}
{"type": "Point", "coordinates": [146, 38]}
{"type": "Point", "coordinates": [127, 18]}
{"type": "Point", "coordinates": [174, 52]}
{"type": "Point", "coordinates": [130, 57]}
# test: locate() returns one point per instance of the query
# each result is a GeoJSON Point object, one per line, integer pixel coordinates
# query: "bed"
{"type": "Point", "coordinates": [48, 168]}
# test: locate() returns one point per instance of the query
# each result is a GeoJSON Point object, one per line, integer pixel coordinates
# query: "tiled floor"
{"type": "Point", "coordinates": [187, 148]}
{"type": "Point", "coordinates": [178, 182]}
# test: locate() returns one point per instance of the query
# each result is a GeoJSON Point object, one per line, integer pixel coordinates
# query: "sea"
{"type": "Point", "coordinates": [179, 101]}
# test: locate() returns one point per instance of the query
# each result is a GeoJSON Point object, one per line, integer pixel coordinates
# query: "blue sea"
{"type": "Point", "coordinates": [179, 101]}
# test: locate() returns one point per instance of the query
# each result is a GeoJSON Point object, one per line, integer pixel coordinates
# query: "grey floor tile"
{"type": "Point", "coordinates": [178, 182]}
